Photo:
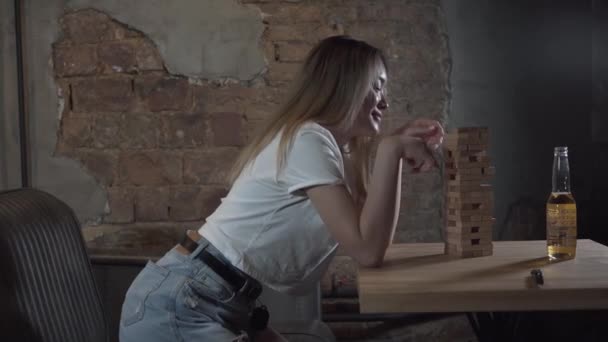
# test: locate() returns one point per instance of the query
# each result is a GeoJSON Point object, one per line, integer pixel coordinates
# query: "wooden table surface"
{"type": "Point", "coordinates": [418, 277]}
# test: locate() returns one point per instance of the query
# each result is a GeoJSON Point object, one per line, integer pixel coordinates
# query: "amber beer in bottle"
{"type": "Point", "coordinates": [561, 210]}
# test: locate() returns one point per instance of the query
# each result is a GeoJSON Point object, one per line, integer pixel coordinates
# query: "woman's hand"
{"type": "Point", "coordinates": [414, 151]}
{"type": "Point", "coordinates": [417, 154]}
{"type": "Point", "coordinates": [430, 131]}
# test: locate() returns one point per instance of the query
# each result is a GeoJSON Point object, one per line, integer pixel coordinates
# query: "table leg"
{"type": "Point", "coordinates": [494, 326]}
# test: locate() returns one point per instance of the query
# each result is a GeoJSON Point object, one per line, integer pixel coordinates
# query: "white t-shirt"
{"type": "Point", "coordinates": [267, 226]}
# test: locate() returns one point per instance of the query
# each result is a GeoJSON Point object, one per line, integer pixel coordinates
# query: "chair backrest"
{"type": "Point", "coordinates": [46, 280]}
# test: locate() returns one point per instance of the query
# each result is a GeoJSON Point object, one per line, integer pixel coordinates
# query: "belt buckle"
{"type": "Point", "coordinates": [251, 289]}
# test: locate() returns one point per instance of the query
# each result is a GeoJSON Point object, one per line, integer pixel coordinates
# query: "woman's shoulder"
{"type": "Point", "coordinates": [317, 131]}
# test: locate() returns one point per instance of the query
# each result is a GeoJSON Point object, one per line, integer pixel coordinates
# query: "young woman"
{"type": "Point", "coordinates": [303, 186]}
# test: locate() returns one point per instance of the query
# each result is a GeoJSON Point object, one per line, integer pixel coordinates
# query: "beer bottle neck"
{"type": "Point", "coordinates": [561, 170]}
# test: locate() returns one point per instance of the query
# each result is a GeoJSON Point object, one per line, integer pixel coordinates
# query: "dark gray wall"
{"type": "Point", "coordinates": [523, 68]}
{"type": "Point", "coordinates": [10, 177]}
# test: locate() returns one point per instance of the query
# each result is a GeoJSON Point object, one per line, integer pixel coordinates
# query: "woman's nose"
{"type": "Point", "coordinates": [382, 104]}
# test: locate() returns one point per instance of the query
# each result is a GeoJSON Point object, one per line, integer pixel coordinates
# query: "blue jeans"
{"type": "Point", "coordinates": [180, 298]}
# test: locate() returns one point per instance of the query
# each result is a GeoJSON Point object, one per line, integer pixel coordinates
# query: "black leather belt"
{"type": "Point", "coordinates": [250, 287]}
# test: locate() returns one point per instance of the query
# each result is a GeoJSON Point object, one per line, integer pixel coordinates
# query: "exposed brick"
{"type": "Point", "coordinates": [140, 131]}
{"type": "Point", "coordinates": [75, 130]}
{"type": "Point", "coordinates": [377, 34]}
{"type": "Point", "coordinates": [151, 204]}
{"type": "Point", "coordinates": [425, 91]}
{"type": "Point", "coordinates": [410, 32]}
{"type": "Point", "coordinates": [302, 31]}
{"type": "Point", "coordinates": [191, 203]}
{"type": "Point", "coordinates": [227, 129]}
{"type": "Point", "coordinates": [231, 98]}
{"type": "Point", "coordinates": [184, 203]}
{"type": "Point", "coordinates": [64, 95]}
{"type": "Point", "coordinates": [105, 132]}
{"type": "Point", "coordinates": [341, 13]}
{"type": "Point", "coordinates": [386, 11]}
{"type": "Point", "coordinates": [291, 13]}
{"type": "Point", "coordinates": [102, 95]}
{"type": "Point", "coordinates": [86, 26]}
{"type": "Point", "coordinates": [101, 164]}
{"type": "Point", "coordinates": [211, 198]}
{"type": "Point", "coordinates": [428, 33]}
{"type": "Point", "coordinates": [210, 166]}
{"type": "Point", "coordinates": [147, 56]}
{"type": "Point", "coordinates": [269, 95]}
{"type": "Point", "coordinates": [120, 205]}
{"type": "Point", "coordinates": [150, 168]}
{"type": "Point", "coordinates": [77, 60]}
{"type": "Point", "coordinates": [161, 93]}
{"type": "Point", "coordinates": [143, 239]}
{"type": "Point", "coordinates": [119, 31]}
{"type": "Point", "coordinates": [117, 57]}
{"type": "Point", "coordinates": [299, 31]}
{"type": "Point", "coordinates": [260, 111]}
{"type": "Point", "coordinates": [255, 1]}
{"type": "Point", "coordinates": [183, 130]}
{"type": "Point", "coordinates": [254, 127]}
{"type": "Point", "coordinates": [271, 51]}
{"type": "Point", "coordinates": [282, 71]}
{"type": "Point", "coordinates": [293, 51]}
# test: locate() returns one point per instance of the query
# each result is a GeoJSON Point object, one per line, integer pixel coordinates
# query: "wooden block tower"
{"type": "Point", "coordinates": [470, 199]}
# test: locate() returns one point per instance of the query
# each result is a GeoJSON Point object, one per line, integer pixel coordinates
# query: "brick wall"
{"type": "Point", "coordinates": [160, 143]}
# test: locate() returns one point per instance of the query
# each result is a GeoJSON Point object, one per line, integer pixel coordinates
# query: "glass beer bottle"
{"type": "Point", "coordinates": [561, 210]}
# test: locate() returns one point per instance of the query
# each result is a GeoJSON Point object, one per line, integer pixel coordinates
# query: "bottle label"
{"type": "Point", "coordinates": [561, 224]}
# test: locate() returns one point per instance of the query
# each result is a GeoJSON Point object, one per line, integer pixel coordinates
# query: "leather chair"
{"type": "Point", "coordinates": [47, 288]}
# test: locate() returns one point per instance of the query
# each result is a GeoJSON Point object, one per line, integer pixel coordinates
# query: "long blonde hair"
{"type": "Point", "coordinates": [329, 89]}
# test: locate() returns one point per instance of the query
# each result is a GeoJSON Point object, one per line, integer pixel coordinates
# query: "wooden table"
{"type": "Point", "coordinates": [420, 278]}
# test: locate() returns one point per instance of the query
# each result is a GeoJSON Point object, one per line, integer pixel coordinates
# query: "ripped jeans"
{"type": "Point", "coordinates": [180, 298]}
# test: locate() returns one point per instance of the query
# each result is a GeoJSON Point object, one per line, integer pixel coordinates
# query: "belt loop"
{"type": "Point", "coordinates": [202, 245]}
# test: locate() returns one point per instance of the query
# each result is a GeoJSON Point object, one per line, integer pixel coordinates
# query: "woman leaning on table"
{"type": "Point", "coordinates": [304, 185]}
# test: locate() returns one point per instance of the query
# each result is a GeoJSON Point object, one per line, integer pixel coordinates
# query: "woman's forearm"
{"type": "Point", "coordinates": [381, 208]}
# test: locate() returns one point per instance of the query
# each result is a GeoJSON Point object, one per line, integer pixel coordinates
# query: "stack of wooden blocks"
{"type": "Point", "coordinates": [470, 199]}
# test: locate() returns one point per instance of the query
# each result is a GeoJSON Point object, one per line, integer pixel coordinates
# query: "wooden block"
{"type": "Point", "coordinates": [469, 227]}
{"type": "Point", "coordinates": [459, 154]}
{"type": "Point", "coordinates": [480, 195]}
{"type": "Point", "coordinates": [470, 148]}
{"type": "Point", "coordinates": [458, 201]}
{"type": "Point", "coordinates": [471, 171]}
{"type": "Point", "coordinates": [467, 135]}
{"type": "Point", "coordinates": [466, 165]}
{"type": "Point", "coordinates": [467, 183]}
{"type": "Point", "coordinates": [464, 219]}
{"type": "Point", "coordinates": [459, 138]}
{"type": "Point", "coordinates": [470, 206]}
{"type": "Point", "coordinates": [482, 236]}
{"type": "Point", "coordinates": [465, 241]}
{"type": "Point", "coordinates": [465, 158]}
{"type": "Point", "coordinates": [468, 186]}
{"type": "Point", "coordinates": [469, 177]}
{"type": "Point", "coordinates": [456, 220]}
{"type": "Point", "coordinates": [469, 212]}
{"type": "Point", "coordinates": [485, 252]}
{"type": "Point", "coordinates": [490, 170]}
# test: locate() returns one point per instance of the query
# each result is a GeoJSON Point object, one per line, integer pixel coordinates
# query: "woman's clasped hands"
{"type": "Point", "coordinates": [419, 139]}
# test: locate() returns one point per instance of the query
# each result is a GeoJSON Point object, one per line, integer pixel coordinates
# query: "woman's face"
{"type": "Point", "coordinates": [369, 117]}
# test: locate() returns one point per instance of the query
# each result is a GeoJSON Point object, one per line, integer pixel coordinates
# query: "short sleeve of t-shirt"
{"type": "Point", "coordinates": [314, 159]}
